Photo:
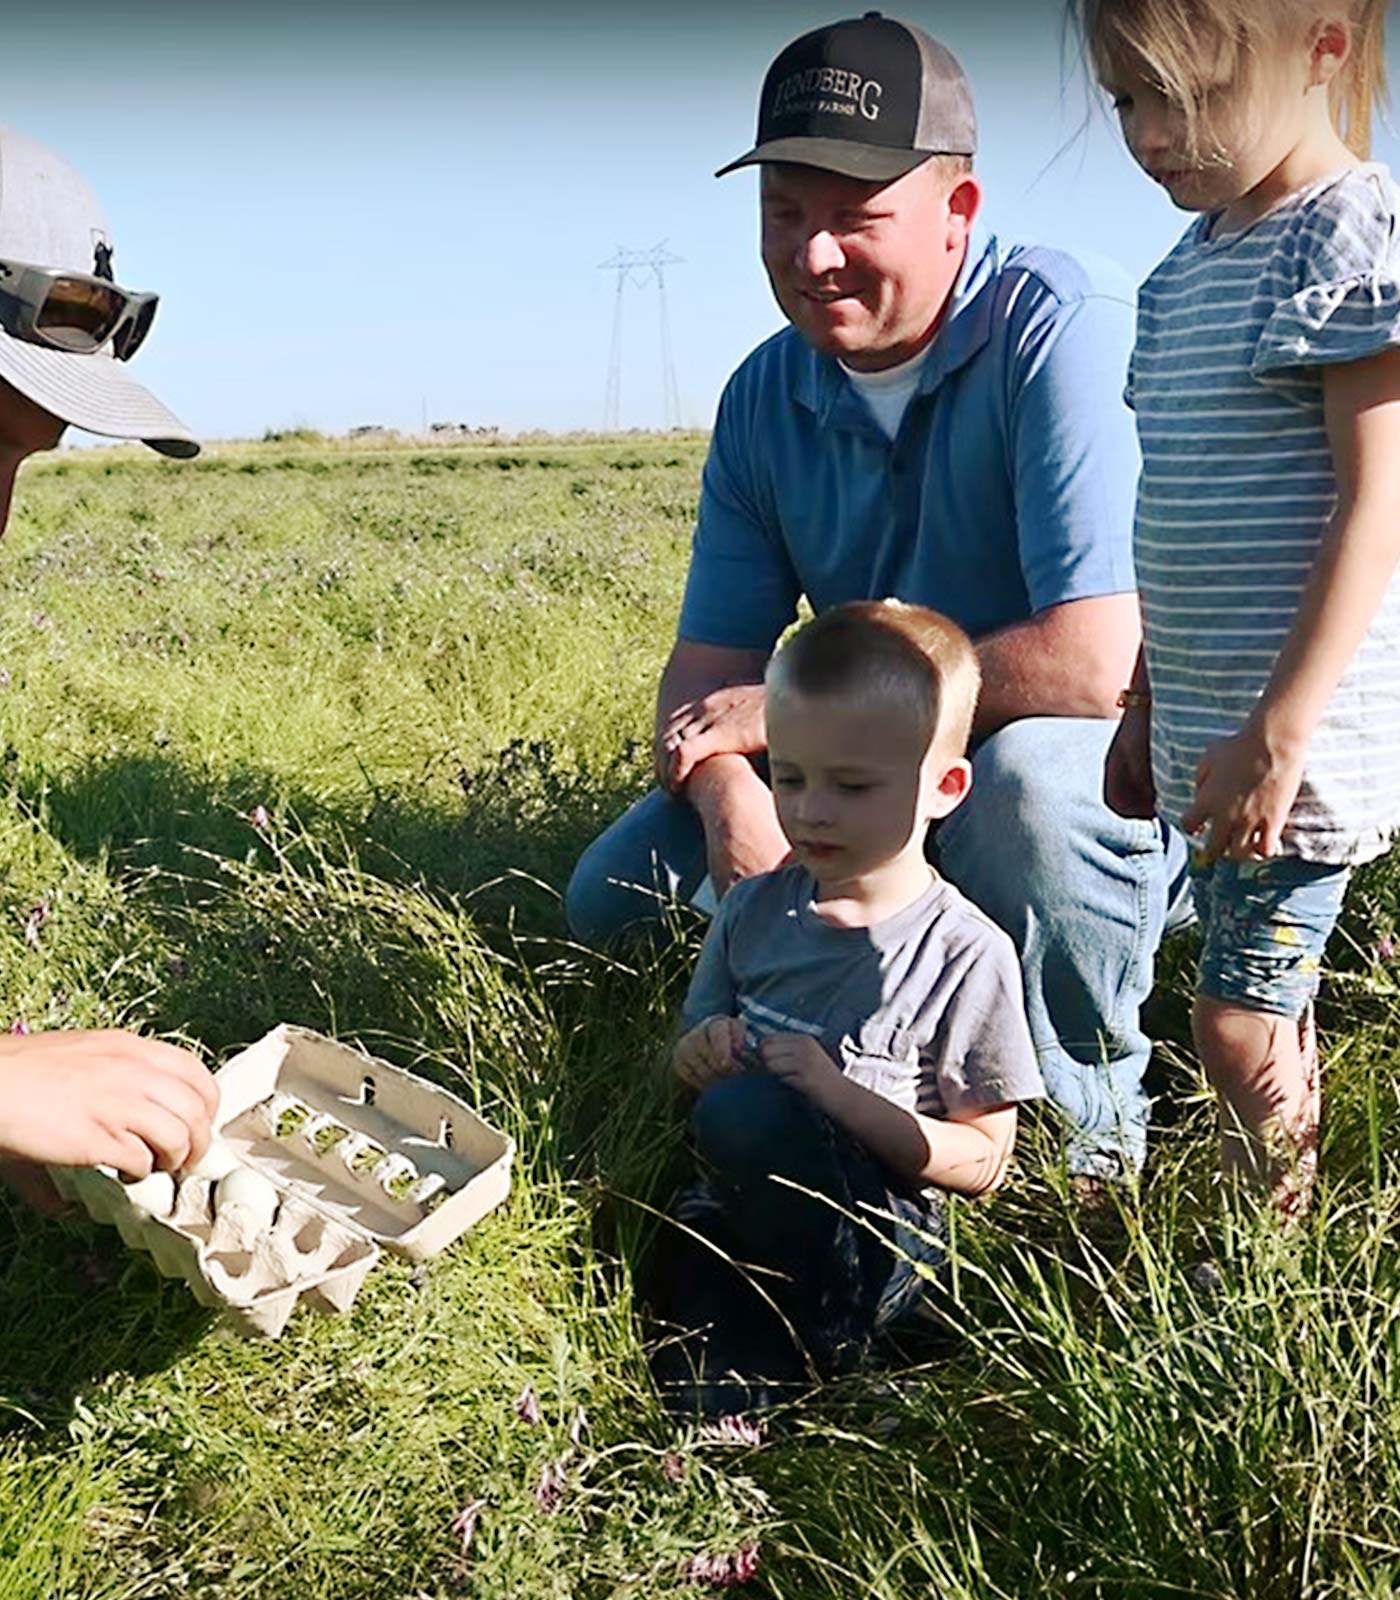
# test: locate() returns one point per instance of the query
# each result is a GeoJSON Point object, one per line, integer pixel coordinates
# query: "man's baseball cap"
{"type": "Point", "coordinates": [50, 218]}
{"type": "Point", "coordinates": [869, 97]}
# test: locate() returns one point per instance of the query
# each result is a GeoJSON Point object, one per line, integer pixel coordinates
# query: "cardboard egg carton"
{"type": "Point", "coordinates": [378, 1158]}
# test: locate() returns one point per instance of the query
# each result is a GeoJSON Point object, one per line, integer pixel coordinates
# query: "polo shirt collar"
{"type": "Point", "coordinates": [820, 385]}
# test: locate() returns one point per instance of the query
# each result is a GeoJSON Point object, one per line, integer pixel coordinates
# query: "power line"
{"type": "Point", "coordinates": [640, 268]}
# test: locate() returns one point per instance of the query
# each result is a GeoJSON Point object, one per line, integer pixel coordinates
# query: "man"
{"type": "Point", "coordinates": [66, 329]}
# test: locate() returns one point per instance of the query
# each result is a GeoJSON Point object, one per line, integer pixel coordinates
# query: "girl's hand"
{"type": "Point", "coordinates": [801, 1063]}
{"type": "Point", "coordinates": [1127, 777]}
{"type": "Point", "coordinates": [710, 1051]}
{"type": "Point", "coordinates": [1244, 792]}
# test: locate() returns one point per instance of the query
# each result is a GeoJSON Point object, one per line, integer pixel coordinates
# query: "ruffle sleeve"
{"type": "Point", "coordinates": [1345, 272]}
{"type": "Point", "coordinates": [1330, 323]}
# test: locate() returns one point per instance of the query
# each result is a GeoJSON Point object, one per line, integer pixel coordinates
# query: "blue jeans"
{"type": "Point", "coordinates": [1084, 893]}
{"type": "Point", "coordinates": [846, 1268]}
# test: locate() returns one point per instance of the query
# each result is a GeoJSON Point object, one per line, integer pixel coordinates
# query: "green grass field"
{"type": "Point", "coordinates": [433, 668]}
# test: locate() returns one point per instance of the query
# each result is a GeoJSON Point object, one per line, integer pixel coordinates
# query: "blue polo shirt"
{"type": "Point", "coordinates": [1009, 487]}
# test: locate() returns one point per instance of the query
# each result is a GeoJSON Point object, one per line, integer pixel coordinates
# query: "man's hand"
{"type": "Point", "coordinates": [695, 675]}
{"type": "Point", "coordinates": [801, 1063]}
{"type": "Point", "coordinates": [712, 1050]}
{"type": "Point", "coordinates": [735, 806]}
{"type": "Point", "coordinates": [1127, 778]}
{"type": "Point", "coordinates": [728, 721]}
{"type": "Point", "coordinates": [1244, 792]}
{"type": "Point", "coordinates": [88, 1099]}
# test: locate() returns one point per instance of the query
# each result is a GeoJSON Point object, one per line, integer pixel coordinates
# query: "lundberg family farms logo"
{"type": "Point", "coordinates": [830, 90]}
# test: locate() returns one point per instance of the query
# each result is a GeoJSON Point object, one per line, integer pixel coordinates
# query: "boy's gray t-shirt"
{"type": "Point", "coordinates": [924, 1009]}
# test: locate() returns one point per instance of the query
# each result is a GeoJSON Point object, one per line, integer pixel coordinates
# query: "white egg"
{"type": "Point", "coordinates": [216, 1162]}
{"type": "Point", "coordinates": [250, 1192]}
{"type": "Point", "coordinates": [154, 1195]}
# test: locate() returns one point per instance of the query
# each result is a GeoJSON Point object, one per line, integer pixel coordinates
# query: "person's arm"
{"type": "Point", "coordinates": [709, 720]}
{"type": "Point", "coordinates": [1071, 660]}
{"type": "Point", "coordinates": [968, 1152]}
{"type": "Point", "coordinates": [1128, 787]}
{"type": "Point", "coordinates": [1246, 785]}
{"type": "Point", "coordinates": [1074, 462]}
{"type": "Point", "coordinates": [104, 1099]}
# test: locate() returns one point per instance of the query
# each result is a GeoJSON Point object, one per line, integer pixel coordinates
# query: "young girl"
{"type": "Point", "coordinates": [1264, 715]}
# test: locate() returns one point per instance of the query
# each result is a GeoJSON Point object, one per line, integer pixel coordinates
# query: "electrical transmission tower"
{"type": "Point", "coordinates": [640, 268]}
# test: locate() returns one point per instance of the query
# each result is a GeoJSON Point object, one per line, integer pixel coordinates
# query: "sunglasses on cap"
{"type": "Point", "coordinates": [72, 311]}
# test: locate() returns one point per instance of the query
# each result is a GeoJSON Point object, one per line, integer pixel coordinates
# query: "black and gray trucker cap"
{"type": "Point", "coordinates": [869, 97]}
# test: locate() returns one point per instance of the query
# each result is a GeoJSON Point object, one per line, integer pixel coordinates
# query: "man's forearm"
{"type": "Point", "coordinates": [1069, 661]}
{"type": "Point", "coordinates": [715, 781]}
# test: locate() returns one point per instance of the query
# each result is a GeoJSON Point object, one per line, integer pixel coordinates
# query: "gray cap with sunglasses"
{"type": "Point", "coordinates": [67, 328]}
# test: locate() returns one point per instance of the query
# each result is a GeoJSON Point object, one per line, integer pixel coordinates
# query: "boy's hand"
{"type": "Point", "coordinates": [1244, 792]}
{"type": "Point", "coordinates": [801, 1063]}
{"type": "Point", "coordinates": [710, 1051]}
{"type": "Point", "coordinates": [104, 1098]}
{"type": "Point", "coordinates": [1127, 777]}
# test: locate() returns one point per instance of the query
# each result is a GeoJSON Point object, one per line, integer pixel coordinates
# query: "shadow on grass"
{"type": "Point", "coordinates": [79, 1308]}
{"type": "Point", "coordinates": [525, 814]}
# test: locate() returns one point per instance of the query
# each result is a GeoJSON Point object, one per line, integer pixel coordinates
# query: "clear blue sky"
{"type": "Point", "coordinates": [353, 211]}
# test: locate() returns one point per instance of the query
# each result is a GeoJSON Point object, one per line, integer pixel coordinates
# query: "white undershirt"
{"type": "Point", "coordinates": [889, 392]}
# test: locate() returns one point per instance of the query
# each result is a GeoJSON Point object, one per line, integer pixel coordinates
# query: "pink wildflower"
{"type": "Point", "coordinates": [464, 1523]}
{"type": "Point", "coordinates": [729, 1571]}
{"type": "Point", "coordinates": [735, 1430]}
{"type": "Point", "coordinates": [19, 1026]}
{"type": "Point", "coordinates": [1385, 950]}
{"type": "Point", "coordinates": [673, 1466]}
{"type": "Point", "coordinates": [527, 1406]}
{"type": "Point", "coordinates": [549, 1491]}
{"type": "Point", "coordinates": [261, 818]}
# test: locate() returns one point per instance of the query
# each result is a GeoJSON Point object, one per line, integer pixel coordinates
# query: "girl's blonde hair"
{"type": "Point", "coordinates": [1164, 38]}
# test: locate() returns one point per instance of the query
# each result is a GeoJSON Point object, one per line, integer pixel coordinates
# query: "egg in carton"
{"type": "Point", "coordinates": [321, 1156]}
{"type": "Point", "coordinates": [244, 1245]}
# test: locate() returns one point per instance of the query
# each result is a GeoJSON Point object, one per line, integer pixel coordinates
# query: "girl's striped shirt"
{"type": "Point", "coordinates": [1238, 489]}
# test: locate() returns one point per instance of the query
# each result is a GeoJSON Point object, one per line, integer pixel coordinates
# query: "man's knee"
{"type": "Point", "coordinates": [1036, 814]}
{"type": "Point", "coordinates": [1028, 774]}
{"type": "Point", "coordinates": [634, 871]}
{"type": "Point", "coordinates": [596, 908]}
{"type": "Point", "coordinates": [746, 1127]}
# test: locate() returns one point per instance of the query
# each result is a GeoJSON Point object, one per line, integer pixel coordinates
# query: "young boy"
{"type": "Point", "coordinates": [854, 1026]}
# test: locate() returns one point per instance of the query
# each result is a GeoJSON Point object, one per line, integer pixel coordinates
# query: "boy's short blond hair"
{"type": "Point", "coordinates": [1167, 39]}
{"type": "Point", "coordinates": [887, 653]}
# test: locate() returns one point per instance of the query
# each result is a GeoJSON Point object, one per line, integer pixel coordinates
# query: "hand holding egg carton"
{"type": "Point", "coordinates": [321, 1155]}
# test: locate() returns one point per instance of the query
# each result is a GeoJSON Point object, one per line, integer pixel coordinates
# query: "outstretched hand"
{"type": "Point", "coordinates": [728, 721]}
{"type": "Point", "coordinates": [107, 1098]}
{"type": "Point", "coordinates": [1244, 793]}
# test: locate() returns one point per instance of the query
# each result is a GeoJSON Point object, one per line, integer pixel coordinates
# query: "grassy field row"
{"type": "Point", "coordinates": [432, 670]}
